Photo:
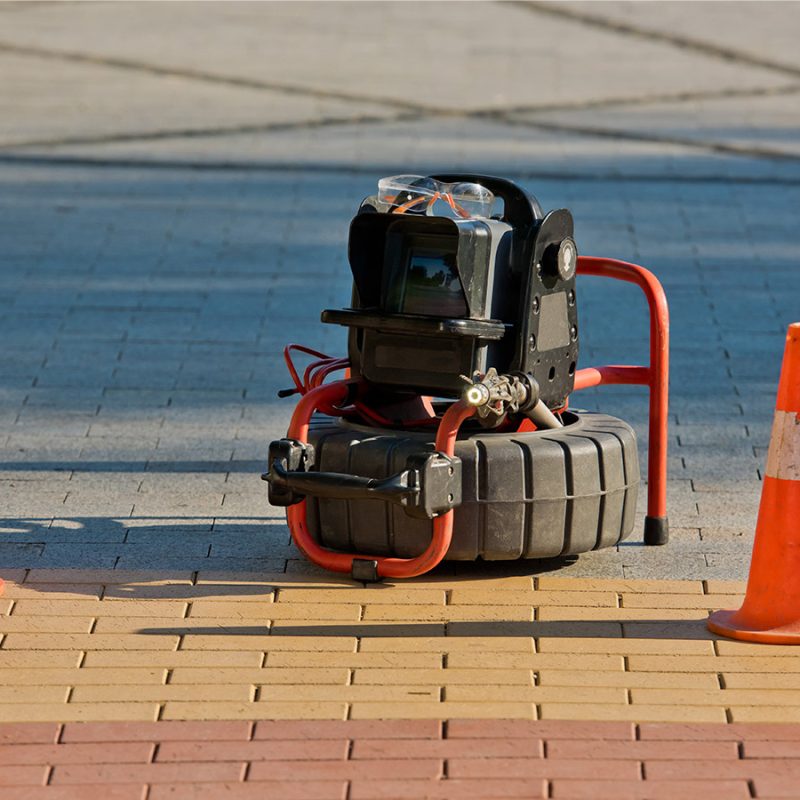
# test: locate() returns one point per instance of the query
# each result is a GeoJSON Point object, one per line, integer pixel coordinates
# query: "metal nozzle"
{"type": "Point", "coordinates": [495, 396]}
{"type": "Point", "coordinates": [477, 395]}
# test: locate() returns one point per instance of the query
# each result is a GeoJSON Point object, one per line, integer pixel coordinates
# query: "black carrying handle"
{"type": "Point", "coordinates": [429, 485]}
{"type": "Point", "coordinates": [520, 209]}
{"type": "Point", "coordinates": [397, 488]}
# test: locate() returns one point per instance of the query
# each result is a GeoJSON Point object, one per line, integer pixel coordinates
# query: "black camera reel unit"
{"type": "Point", "coordinates": [481, 310]}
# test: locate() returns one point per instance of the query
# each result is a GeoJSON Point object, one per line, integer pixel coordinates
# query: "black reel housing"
{"type": "Point", "coordinates": [435, 299]}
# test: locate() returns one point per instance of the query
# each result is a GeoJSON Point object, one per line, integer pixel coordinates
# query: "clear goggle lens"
{"type": "Point", "coordinates": [418, 194]}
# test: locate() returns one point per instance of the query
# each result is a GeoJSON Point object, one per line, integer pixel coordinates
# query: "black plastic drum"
{"type": "Point", "coordinates": [525, 495]}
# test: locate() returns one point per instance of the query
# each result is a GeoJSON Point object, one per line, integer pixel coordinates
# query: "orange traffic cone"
{"type": "Point", "coordinates": [771, 609]}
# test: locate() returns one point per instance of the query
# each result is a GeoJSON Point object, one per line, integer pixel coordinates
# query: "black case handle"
{"type": "Point", "coordinates": [429, 485]}
{"type": "Point", "coordinates": [520, 209]}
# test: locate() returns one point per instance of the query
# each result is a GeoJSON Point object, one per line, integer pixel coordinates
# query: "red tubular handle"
{"type": "Point", "coordinates": [333, 394]}
{"type": "Point", "coordinates": [656, 375]}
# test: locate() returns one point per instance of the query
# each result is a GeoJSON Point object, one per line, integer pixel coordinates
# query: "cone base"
{"type": "Point", "coordinates": [727, 623]}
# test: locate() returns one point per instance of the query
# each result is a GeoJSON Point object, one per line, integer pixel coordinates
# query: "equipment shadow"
{"type": "Point", "coordinates": [267, 561]}
{"type": "Point", "coordinates": [665, 629]}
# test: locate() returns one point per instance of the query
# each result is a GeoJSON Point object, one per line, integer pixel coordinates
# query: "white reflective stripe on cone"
{"type": "Point", "coordinates": [783, 458]}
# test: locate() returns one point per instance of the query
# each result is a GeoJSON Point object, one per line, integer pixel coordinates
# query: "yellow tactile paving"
{"type": "Point", "coordinates": [103, 645]}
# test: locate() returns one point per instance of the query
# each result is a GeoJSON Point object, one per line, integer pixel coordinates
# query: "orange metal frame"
{"type": "Point", "coordinates": [334, 394]}
{"type": "Point", "coordinates": [655, 376]}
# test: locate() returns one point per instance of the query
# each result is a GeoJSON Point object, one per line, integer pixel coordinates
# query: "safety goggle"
{"type": "Point", "coordinates": [420, 195]}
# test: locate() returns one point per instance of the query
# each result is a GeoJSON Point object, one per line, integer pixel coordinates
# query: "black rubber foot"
{"type": "Point", "coordinates": [364, 570]}
{"type": "Point", "coordinates": [656, 530]}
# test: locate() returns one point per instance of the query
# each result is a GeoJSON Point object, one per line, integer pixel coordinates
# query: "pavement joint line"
{"type": "Point", "coordinates": [490, 113]}
{"type": "Point", "coordinates": [639, 100]}
{"type": "Point", "coordinates": [506, 116]}
{"type": "Point", "coordinates": [704, 47]}
{"type": "Point", "coordinates": [203, 76]}
{"type": "Point", "coordinates": [746, 151]}
{"type": "Point", "coordinates": [188, 165]}
{"type": "Point", "coordinates": [217, 131]}
{"type": "Point", "coordinates": [409, 106]}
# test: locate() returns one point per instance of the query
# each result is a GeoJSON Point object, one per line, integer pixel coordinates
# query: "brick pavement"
{"type": "Point", "coordinates": [167, 197]}
{"type": "Point", "coordinates": [396, 760]}
{"type": "Point", "coordinates": [117, 645]}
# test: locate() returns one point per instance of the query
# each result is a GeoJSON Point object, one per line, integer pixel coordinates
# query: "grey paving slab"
{"type": "Point", "coordinates": [767, 35]}
{"type": "Point", "coordinates": [319, 47]}
{"type": "Point", "coordinates": [762, 123]}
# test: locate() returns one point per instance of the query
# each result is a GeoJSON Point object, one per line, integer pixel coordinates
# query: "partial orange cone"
{"type": "Point", "coordinates": [771, 609]}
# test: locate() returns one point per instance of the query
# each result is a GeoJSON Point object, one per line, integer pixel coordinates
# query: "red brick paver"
{"type": "Point", "coordinates": [372, 760]}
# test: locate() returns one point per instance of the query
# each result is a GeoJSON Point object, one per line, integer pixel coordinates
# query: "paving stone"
{"type": "Point", "coordinates": [401, 670]}
{"type": "Point", "coordinates": [32, 733]}
{"type": "Point", "coordinates": [147, 731]}
{"type": "Point", "coordinates": [316, 710]}
{"type": "Point", "coordinates": [121, 752]}
{"type": "Point", "coordinates": [155, 773]}
{"type": "Point", "coordinates": [71, 712]}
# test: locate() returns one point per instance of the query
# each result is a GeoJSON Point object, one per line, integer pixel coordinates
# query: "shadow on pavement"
{"type": "Point", "coordinates": [566, 629]}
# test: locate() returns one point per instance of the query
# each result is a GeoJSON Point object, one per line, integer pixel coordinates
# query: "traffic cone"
{"type": "Point", "coordinates": [771, 609]}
